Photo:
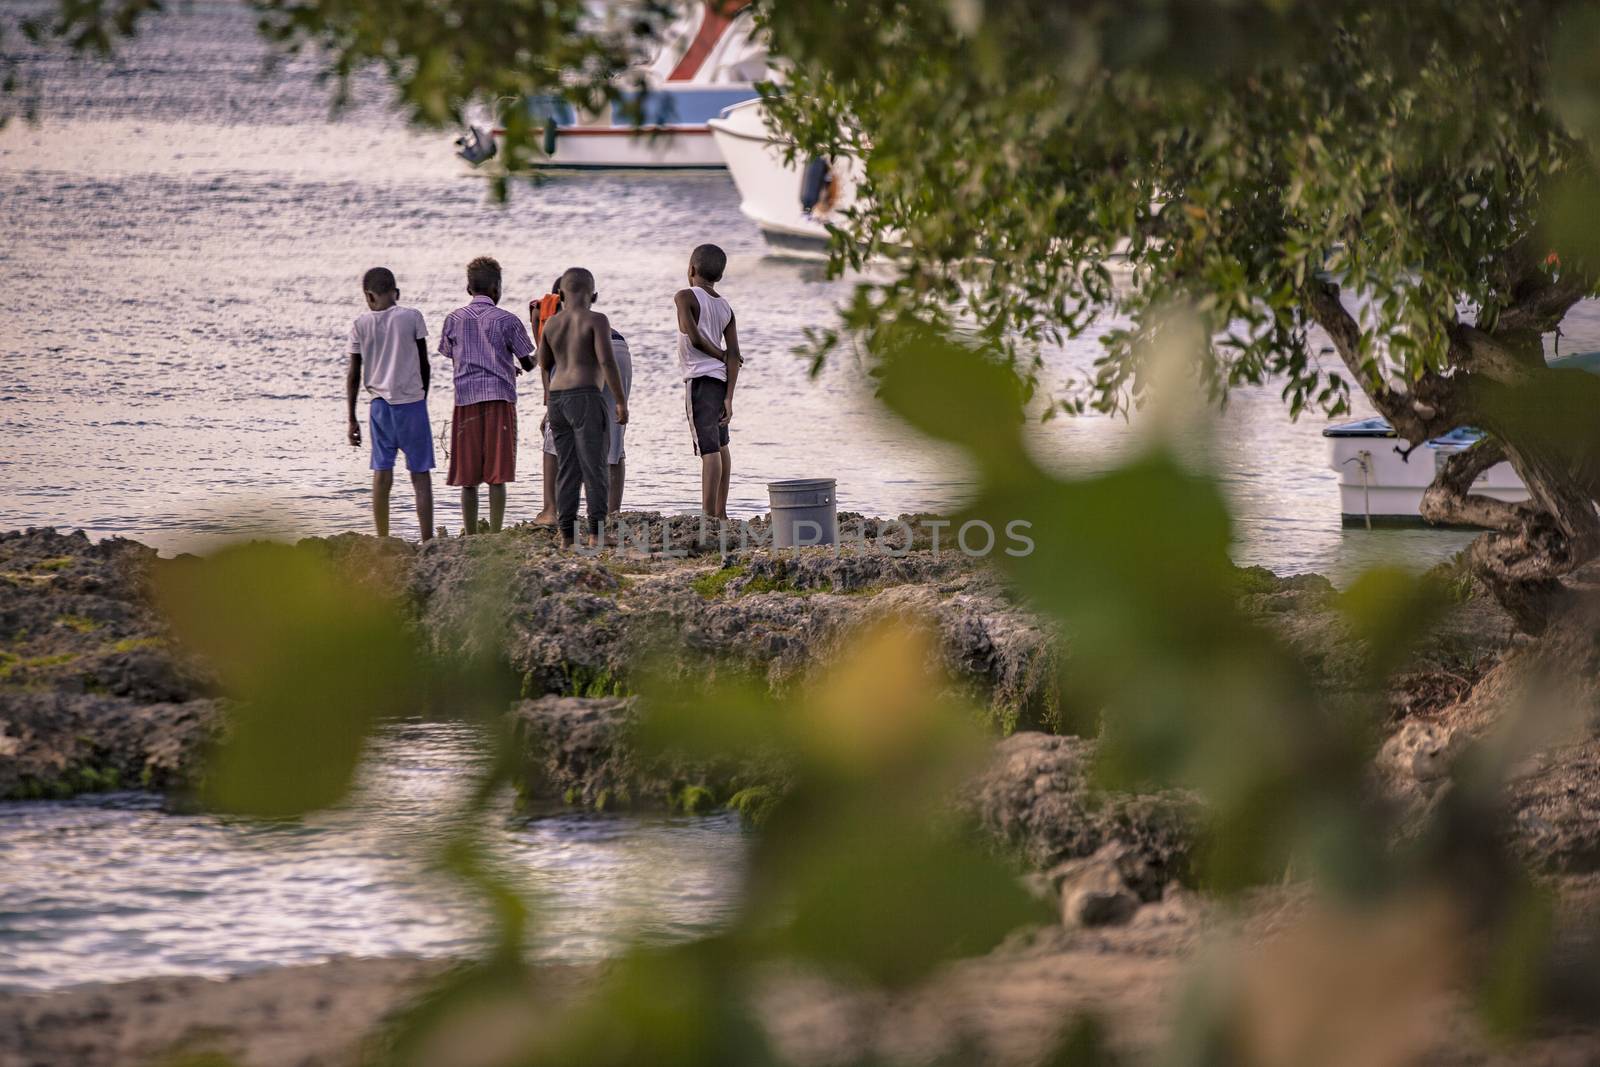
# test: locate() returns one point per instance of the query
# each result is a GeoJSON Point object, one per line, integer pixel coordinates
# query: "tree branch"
{"type": "Point", "coordinates": [1449, 500]}
{"type": "Point", "coordinates": [1540, 311]}
{"type": "Point", "coordinates": [1427, 411]}
{"type": "Point", "coordinates": [1475, 351]}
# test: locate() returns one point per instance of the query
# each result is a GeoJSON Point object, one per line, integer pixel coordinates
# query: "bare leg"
{"type": "Point", "coordinates": [614, 498]}
{"type": "Point", "coordinates": [722, 488]}
{"type": "Point", "coordinates": [382, 482]}
{"type": "Point", "coordinates": [497, 506]}
{"type": "Point", "coordinates": [547, 514]}
{"type": "Point", "coordinates": [422, 486]}
{"type": "Point", "coordinates": [469, 509]}
{"type": "Point", "coordinates": [710, 482]}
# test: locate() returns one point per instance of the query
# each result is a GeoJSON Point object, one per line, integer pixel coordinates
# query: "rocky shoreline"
{"type": "Point", "coordinates": [95, 695]}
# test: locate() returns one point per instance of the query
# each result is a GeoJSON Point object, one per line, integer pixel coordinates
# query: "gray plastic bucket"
{"type": "Point", "coordinates": [805, 511]}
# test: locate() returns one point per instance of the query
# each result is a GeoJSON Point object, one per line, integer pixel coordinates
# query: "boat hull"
{"type": "Point", "coordinates": [626, 148]}
{"type": "Point", "coordinates": [621, 148]}
{"type": "Point", "coordinates": [769, 182]}
{"type": "Point", "coordinates": [664, 129]}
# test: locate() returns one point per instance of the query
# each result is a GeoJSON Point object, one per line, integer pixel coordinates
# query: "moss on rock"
{"type": "Point", "coordinates": [755, 804]}
{"type": "Point", "coordinates": [694, 800]}
{"type": "Point", "coordinates": [712, 583]}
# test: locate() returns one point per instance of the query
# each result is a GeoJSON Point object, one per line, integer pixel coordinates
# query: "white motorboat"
{"type": "Point", "coordinates": [709, 60]}
{"type": "Point", "coordinates": [1381, 483]}
{"type": "Point", "coordinates": [790, 199]}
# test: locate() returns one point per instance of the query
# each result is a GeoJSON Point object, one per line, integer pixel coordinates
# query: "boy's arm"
{"type": "Point", "coordinates": [420, 332]}
{"type": "Point", "coordinates": [731, 337]}
{"type": "Point", "coordinates": [446, 348]}
{"type": "Point", "coordinates": [521, 346]}
{"type": "Point", "coordinates": [352, 385]}
{"type": "Point", "coordinates": [689, 323]}
{"type": "Point", "coordinates": [546, 360]}
{"type": "Point", "coordinates": [606, 356]}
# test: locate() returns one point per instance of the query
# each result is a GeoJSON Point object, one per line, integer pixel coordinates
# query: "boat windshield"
{"type": "Point", "coordinates": [541, 109]}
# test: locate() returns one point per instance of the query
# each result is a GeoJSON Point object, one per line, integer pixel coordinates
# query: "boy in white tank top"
{"type": "Point", "coordinates": [709, 359]}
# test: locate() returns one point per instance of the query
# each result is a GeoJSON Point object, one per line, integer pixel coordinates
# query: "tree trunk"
{"type": "Point", "coordinates": [1546, 427]}
{"type": "Point", "coordinates": [1545, 422]}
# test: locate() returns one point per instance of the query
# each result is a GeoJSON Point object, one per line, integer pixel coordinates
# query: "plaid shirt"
{"type": "Point", "coordinates": [484, 341]}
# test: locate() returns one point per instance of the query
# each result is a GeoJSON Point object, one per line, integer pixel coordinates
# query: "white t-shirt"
{"type": "Point", "coordinates": [624, 358]}
{"type": "Point", "coordinates": [387, 343]}
{"type": "Point", "coordinates": [714, 317]}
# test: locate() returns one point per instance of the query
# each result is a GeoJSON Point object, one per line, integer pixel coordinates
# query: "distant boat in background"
{"type": "Point", "coordinates": [710, 59]}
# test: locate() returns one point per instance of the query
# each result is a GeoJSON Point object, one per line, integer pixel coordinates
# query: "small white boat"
{"type": "Point", "coordinates": [791, 200]}
{"type": "Point", "coordinates": [1380, 483]}
{"type": "Point", "coordinates": [710, 59]}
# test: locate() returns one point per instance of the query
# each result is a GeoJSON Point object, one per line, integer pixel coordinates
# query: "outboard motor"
{"type": "Point", "coordinates": [813, 182]}
{"type": "Point", "coordinates": [476, 145]}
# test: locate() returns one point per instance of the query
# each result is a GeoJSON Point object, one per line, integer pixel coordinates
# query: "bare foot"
{"type": "Point", "coordinates": [545, 518]}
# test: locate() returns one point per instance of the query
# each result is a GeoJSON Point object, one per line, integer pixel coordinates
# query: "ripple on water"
{"type": "Point", "coordinates": [109, 887]}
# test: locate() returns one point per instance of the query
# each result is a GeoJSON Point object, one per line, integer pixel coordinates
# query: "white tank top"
{"type": "Point", "coordinates": [714, 316]}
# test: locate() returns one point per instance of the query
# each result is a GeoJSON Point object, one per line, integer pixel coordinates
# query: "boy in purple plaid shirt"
{"type": "Point", "coordinates": [485, 343]}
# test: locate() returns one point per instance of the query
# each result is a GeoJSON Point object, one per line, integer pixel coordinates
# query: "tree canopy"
{"type": "Point", "coordinates": [1406, 182]}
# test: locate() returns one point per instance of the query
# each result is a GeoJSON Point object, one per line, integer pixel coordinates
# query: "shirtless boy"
{"type": "Point", "coordinates": [576, 356]}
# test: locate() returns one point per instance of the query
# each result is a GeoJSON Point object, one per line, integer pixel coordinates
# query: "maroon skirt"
{"type": "Point", "coordinates": [483, 444]}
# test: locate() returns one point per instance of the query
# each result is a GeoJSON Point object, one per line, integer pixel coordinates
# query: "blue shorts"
{"type": "Point", "coordinates": [402, 428]}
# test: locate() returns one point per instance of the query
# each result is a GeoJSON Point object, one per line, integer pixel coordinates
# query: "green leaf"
{"type": "Point", "coordinates": [309, 659]}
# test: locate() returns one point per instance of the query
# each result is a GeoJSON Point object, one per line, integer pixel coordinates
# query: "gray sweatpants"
{"type": "Point", "coordinates": [578, 424]}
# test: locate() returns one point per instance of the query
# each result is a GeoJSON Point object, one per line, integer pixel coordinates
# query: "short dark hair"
{"type": "Point", "coordinates": [709, 262]}
{"type": "Point", "coordinates": [378, 280]}
{"type": "Point", "coordinates": [578, 279]}
{"type": "Point", "coordinates": [483, 274]}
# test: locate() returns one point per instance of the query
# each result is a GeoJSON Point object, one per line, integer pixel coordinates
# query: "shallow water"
{"type": "Point", "coordinates": [109, 887]}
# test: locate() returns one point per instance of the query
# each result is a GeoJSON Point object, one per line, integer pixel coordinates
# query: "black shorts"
{"type": "Point", "coordinates": [702, 400]}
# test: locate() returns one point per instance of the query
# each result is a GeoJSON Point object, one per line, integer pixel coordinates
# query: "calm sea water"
{"type": "Point", "coordinates": [110, 887]}
{"type": "Point", "coordinates": [181, 242]}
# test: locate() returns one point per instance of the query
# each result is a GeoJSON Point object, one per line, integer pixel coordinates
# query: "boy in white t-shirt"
{"type": "Point", "coordinates": [389, 354]}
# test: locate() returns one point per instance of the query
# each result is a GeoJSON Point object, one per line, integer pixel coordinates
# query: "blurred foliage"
{"type": "Point", "coordinates": [862, 869]}
{"type": "Point", "coordinates": [1231, 152]}
{"type": "Point", "coordinates": [873, 881]}
{"type": "Point", "coordinates": [290, 640]}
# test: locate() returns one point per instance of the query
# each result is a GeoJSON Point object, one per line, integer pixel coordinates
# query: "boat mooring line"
{"type": "Point", "coordinates": [1364, 458]}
